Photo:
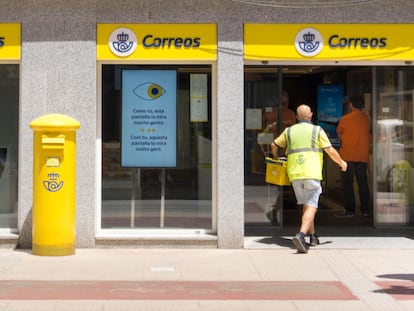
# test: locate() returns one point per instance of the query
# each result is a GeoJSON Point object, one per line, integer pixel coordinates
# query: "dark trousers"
{"type": "Point", "coordinates": [359, 171]}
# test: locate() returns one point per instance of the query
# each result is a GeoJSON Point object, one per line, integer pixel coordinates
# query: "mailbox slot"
{"type": "Point", "coordinates": [53, 142]}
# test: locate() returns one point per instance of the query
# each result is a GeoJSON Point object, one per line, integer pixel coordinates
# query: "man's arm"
{"type": "Point", "coordinates": [275, 149]}
{"type": "Point", "coordinates": [334, 155]}
{"type": "Point", "coordinates": [279, 142]}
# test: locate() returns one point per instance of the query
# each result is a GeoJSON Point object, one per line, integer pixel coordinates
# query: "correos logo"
{"type": "Point", "coordinates": [309, 42]}
{"type": "Point", "coordinates": [150, 41]}
{"type": "Point", "coordinates": [122, 42]}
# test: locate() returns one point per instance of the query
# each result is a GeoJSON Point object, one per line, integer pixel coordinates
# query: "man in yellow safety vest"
{"type": "Point", "coordinates": [304, 143]}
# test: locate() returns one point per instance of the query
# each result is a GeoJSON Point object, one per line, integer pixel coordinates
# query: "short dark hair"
{"type": "Point", "coordinates": [357, 101]}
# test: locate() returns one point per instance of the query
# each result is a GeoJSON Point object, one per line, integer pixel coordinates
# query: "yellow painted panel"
{"type": "Point", "coordinates": [328, 42]}
{"type": "Point", "coordinates": [156, 42]}
{"type": "Point", "coordinates": [10, 41]}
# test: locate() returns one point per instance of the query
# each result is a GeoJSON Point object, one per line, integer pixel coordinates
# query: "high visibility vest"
{"type": "Point", "coordinates": [305, 156]}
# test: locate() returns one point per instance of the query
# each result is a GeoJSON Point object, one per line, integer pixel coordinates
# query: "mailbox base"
{"type": "Point", "coordinates": [53, 250]}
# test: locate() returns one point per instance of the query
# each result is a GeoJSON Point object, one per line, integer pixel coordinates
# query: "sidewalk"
{"type": "Point", "coordinates": [377, 275]}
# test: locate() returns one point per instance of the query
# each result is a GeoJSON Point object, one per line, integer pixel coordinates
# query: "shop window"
{"type": "Point", "coordinates": [9, 105]}
{"type": "Point", "coordinates": [175, 195]}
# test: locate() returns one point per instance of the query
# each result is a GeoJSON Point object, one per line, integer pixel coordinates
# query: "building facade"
{"type": "Point", "coordinates": [189, 172]}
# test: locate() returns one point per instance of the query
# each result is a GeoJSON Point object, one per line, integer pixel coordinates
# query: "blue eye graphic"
{"type": "Point", "coordinates": [149, 91]}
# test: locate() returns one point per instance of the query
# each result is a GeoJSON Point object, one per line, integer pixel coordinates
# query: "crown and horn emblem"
{"type": "Point", "coordinates": [122, 42]}
{"type": "Point", "coordinates": [309, 42]}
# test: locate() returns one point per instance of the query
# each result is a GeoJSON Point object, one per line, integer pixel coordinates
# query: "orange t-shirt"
{"type": "Point", "coordinates": [288, 119]}
{"type": "Point", "coordinates": [354, 133]}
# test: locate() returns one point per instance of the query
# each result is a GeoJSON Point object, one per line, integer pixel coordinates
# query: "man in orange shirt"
{"type": "Point", "coordinates": [270, 118]}
{"type": "Point", "coordinates": [354, 134]}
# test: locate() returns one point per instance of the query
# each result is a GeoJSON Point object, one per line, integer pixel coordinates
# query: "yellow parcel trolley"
{"type": "Point", "coordinates": [54, 176]}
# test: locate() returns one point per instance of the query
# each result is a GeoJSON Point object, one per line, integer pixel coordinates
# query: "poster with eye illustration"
{"type": "Point", "coordinates": [149, 118]}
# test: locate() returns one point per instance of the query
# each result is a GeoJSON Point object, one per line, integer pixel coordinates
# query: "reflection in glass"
{"type": "Point", "coordinates": [9, 90]}
{"type": "Point", "coordinates": [394, 146]}
{"type": "Point", "coordinates": [3, 158]}
{"type": "Point", "coordinates": [179, 197]}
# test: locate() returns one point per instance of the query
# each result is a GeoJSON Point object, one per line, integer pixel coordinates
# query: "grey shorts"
{"type": "Point", "coordinates": [307, 191]}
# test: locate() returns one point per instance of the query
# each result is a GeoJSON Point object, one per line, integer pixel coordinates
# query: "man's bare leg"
{"type": "Point", "coordinates": [308, 218]}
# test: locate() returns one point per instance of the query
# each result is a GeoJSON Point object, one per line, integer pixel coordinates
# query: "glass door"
{"type": "Point", "coordinates": [393, 145]}
{"type": "Point", "coordinates": [263, 100]}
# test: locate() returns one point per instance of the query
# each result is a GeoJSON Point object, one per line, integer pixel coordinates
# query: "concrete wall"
{"type": "Point", "coordinates": [58, 75]}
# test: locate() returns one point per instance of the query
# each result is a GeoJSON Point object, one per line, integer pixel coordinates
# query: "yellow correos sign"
{"type": "Point", "coordinates": [156, 42]}
{"type": "Point", "coordinates": [10, 41]}
{"type": "Point", "coordinates": [328, 42]}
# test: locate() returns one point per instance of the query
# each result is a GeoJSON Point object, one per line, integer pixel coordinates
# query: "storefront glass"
{"type": "Point", "coordinates": [262, 203]}
{"type": "Point", "coordinates": [173, 194]}
{"type": "Point", "coordinates": [394, 151]}
{"type": "Point", "coordinates": [270, 90]}
{"type": "Point", "coordinates": [9, 90]}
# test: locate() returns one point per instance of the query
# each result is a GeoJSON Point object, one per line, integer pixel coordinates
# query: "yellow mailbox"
{"type": "Point", "coordinates": [54, 182]}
